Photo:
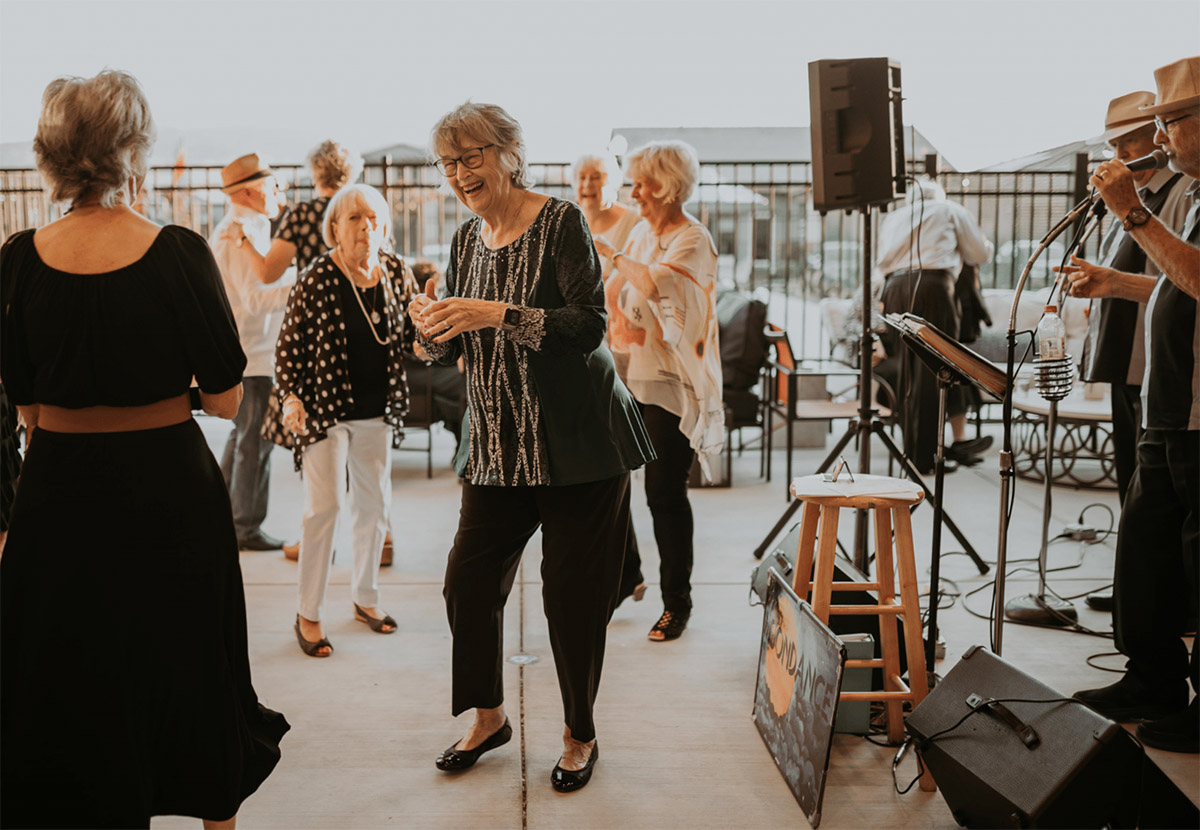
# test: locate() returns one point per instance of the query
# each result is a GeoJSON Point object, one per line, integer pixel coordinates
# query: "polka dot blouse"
{"type": "Point", "coordinates": [302, 227]}
{"type": "Point", "coordinates": [311, 359]}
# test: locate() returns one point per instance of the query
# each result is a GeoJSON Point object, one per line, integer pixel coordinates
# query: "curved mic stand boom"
{"type": "Point", "coordinates": [1006, 465]}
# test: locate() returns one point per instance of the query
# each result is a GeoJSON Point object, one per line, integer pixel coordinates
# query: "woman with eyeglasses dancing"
{"type": "Point", "coordinates": [553, 433]}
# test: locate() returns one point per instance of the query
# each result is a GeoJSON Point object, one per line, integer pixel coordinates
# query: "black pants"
{"type": "Point", "coordinates": [1126, 430]}
{"type": "Point", "coordinates": [584, 527]}
{"type": "Point", "coordinates": [928, 294]}
{"type": "Point", "coordinates": [1157, 551]}
{"type": "Point", "coordinates": [666, 494]}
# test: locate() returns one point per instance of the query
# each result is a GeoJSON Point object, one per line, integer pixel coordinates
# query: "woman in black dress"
{"type": "Point", "coordinates": [124, 678]}
{"type": "Point", "coordinates": [553, 433]}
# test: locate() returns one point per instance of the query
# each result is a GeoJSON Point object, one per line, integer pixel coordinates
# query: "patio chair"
{"type": "Point", "coordinates": [420, 411]}
{"type": "Point", "coordinates": [783, 399]}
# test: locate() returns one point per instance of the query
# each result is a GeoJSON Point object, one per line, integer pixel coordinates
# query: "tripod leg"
{"type": "Point", "coordinates": [911, 470]}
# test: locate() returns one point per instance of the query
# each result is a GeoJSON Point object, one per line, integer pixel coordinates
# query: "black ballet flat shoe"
{"type": "Point", "coordinates": [570, 780]}
{"type": "Point", "coordinates": [454, 760]}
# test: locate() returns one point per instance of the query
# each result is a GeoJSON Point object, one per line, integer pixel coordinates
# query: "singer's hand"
{"type": "Point", "coordinates": [1087, 280]}
{"type": "Point", "coordinates": [1117, 187]}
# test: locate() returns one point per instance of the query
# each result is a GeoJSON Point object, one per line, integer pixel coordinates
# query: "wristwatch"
{"type": "Point", "coordinates": [512, 318]}
{"type": "Point", "coordinates": [1135, 217]}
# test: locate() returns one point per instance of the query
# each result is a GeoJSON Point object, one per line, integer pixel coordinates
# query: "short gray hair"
{"type": "Point", "coordinates": [93, 136]}
{"type": "Point", "coordinates": [334, 165]}
{"type": "Point", "coordinates": [348, 197]}
{"type": "Point", "coordinates": [605, 163]}
{"type": "Point", "coordinates": [469, 123]}
{"type": "Point", "coordinates": [673, 164]}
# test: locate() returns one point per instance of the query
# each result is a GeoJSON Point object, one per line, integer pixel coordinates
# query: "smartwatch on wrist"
{"type": "Point", "coordinates": [1137, 216]}
{"type": "Point", "coordinates": [512, 318]}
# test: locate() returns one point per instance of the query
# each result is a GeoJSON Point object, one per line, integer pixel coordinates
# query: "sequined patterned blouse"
{"type": "Point", "coordinates": [544, 403]}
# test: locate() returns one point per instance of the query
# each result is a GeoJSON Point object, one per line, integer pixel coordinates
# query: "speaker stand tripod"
{"type": "Point", "coordinates": [863, 427]}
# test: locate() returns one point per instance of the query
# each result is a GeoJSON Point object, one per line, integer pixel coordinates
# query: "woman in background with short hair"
{"type": "Point", "coordinates": [298, 237]}
{"type": "Point", "coordinates": [597, 181]}
{"type": "Point", "coordinates": [663, 333]}
{"type": "Point", "coordinates": [125, 686]}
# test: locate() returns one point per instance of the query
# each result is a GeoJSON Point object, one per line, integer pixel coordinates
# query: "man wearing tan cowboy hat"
{"type": "Point", "coordinates": [1158, 545]}
{"type": "Point", "coordinates": [1114, 350]}
{"type": "Point", "coordinates": [254, 201]}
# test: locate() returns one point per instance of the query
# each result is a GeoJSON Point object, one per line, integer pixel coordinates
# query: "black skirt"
{"type": "Point", "coordinates": [124, 676]}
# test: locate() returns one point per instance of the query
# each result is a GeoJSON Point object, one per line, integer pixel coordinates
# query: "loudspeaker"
{"type": "Point", "coordinates": [783, 557]}
{"type": "Point", "coordinates": [1022, 756]}
{"type": "Point", "coordinates": [857, 133]}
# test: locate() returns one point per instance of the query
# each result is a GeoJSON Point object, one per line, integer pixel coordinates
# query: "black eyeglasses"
{"type": "Point", "coordinates": [1162, 125]}
{"type": "Point", "coordinates": [471, 159]}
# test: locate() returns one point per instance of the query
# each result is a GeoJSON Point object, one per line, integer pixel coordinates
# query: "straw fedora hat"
{"type": "Point", "coordinates": [1124, 115]}
{"type": "Point", "coordinates": [1178, 86]}
{"type": "Point", "coordinates": [243, 171]}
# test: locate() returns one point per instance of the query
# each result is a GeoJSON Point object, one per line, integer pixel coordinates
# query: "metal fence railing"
{"type": "Point", "coordinates": [760, 216]}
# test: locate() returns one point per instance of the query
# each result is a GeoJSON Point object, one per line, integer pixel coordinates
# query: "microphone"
{"type": "Point", "coordinates": [1155, 161]}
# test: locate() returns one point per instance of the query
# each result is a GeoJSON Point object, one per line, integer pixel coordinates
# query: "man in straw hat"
{"type": "Point", "coordinates": [1114, 350]}
{"type": "Point", "coordinates": [254, 200]}
{"type": "Point", "coordinates": [1158, 545]}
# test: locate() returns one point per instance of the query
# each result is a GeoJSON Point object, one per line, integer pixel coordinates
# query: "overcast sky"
{"type": "Point", "coordinates": [984, 80]}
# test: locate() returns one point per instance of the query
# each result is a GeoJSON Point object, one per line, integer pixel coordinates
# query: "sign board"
{"type": "Point", "coordinates": [799, 677]}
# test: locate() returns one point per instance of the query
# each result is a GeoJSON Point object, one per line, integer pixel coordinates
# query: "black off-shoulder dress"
{"type": "Point", "coordinates": [124, 676]}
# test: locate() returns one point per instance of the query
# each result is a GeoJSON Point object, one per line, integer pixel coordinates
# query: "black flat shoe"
{"type": "Point", "coordinates": [453, 760]}
{"type": "Point", "coordinates": [570, 780]}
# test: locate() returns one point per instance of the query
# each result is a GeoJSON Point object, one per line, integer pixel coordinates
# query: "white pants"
{"type": "Point", "coordinates": [363, 448]}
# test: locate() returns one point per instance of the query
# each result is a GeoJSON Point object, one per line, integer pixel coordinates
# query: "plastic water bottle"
{"type": "Point", "coordinates": [1051, 335]}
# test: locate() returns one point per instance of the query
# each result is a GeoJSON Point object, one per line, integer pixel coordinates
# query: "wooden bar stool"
{"type": "Point", "coordinates": [888, 500]}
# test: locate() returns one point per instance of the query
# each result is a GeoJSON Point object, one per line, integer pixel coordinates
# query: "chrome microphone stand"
{"type": "Point", "coordinates": [1007, 472]}
{"type": "Point", "coordinates": [1053, 380]}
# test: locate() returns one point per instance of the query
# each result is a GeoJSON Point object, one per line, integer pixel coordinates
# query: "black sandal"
{"type": "Point", "coordinates": [670, 625]}
{"type": "Point", "coordinates": [453, 760]}
{"type": "Point", "coordinates": [570, 780]}
{"type": "Point", "coordinates": [375, 623]}
{"type": "Point", "coordinates": [308, 646]}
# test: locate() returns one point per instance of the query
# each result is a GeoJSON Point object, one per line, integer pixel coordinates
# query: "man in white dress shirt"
{"type": "Point", "coordinates": [254, 200]}
{"type": "Point", "coordinates": [923, 246]}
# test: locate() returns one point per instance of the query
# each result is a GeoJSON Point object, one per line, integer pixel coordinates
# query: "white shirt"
{"type": "Point", "coordinates": [257, 308]}
{"type": "Point", "coordinates": [946, 233]}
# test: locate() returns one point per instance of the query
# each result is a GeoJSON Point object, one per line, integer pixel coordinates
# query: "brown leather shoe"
{"type": "Point", "coordinates": [292, 551]}
{"type": "Point", "coordinates": [387, 551]}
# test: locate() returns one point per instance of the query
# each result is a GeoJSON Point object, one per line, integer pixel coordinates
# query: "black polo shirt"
{"type": "Point", "coordinates": [1171, 393]}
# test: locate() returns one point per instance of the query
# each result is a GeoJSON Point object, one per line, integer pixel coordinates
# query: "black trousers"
{"type": "Point", "coordinates": [1157, 552]}
{"type": "Point", "coordinates": [1126, 430]}
{"type": "Point", "coordinates": [928, 294]}
{"type": "Point", "coordinates": [667, 497]}
{"type": "Point", "coordinates": [584, 527]}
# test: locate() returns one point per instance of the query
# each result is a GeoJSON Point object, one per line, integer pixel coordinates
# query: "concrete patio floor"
{"type": "Point", "coordinates": [679, 747]}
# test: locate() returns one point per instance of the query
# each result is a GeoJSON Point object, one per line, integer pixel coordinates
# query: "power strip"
{"type": "Point", "coordinates": [1080, 533]}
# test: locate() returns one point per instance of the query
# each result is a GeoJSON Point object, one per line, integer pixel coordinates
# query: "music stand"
{"type": "Point", "coordinates": [862, 428]}
{"type": "Point", "coordinates": [953, 364]}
